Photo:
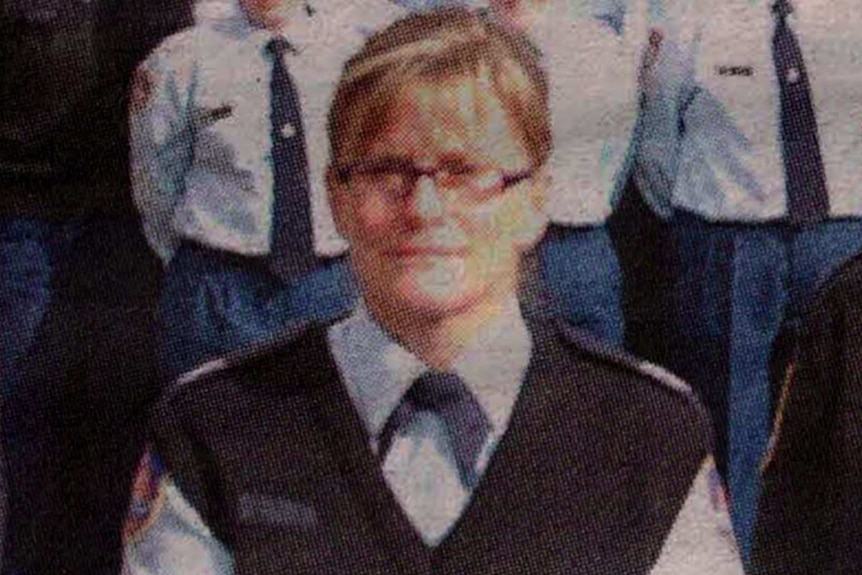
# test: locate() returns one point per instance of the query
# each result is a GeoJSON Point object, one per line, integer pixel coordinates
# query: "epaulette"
{"type": "Point", "coordinates": [241, 357]}
{"type": "Point", "coordinates": [611, 354]}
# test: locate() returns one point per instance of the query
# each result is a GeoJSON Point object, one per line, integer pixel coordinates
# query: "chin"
{"type": "Point", "coordinates": [426, 295]}
{"type": "Point", "coordinates": [434, 303]}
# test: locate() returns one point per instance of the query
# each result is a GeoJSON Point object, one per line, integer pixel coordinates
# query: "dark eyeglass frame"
{"type": "Point", "coordinates": [467, 177]}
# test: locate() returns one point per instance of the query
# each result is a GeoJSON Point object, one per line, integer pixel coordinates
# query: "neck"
{"type": "Point", "coordinates": [277, 20]}
{"type": "Point", "coordinates": [522, 15]}
{"type": "Point", "coordinates": [437, 340]}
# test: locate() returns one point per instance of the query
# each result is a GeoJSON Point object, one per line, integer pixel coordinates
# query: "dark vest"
{"type": "Point", "coordinates": [589, 477]}
{"type": "Point", "coordinates": [810, 513]}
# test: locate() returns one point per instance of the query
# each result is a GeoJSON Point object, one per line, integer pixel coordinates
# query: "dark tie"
{"type": "Point", "coordinates": [292, 240]}
{"type": "Point", "coordinates": [447, 396]}
{"type": "Point", "coordinates": [805, 177]}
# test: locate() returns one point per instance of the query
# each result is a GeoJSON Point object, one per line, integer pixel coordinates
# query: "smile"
{"type": "Point", "coordinates": [426, 252]}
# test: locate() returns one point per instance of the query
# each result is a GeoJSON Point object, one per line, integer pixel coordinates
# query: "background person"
{"type": "Point", "coordinates": [228, 157]}
{"type": "Point", "coordinates": [766, 203]}
{"type": "Point", "coordinates": [77, 283]}
{"type": "Point", "coordinates": [592, 53]}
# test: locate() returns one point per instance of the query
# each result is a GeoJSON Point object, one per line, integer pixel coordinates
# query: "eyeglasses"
{"type": "Point", "coordinates": [395, 179]}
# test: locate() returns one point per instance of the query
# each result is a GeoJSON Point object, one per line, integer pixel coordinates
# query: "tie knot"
{"type": "Point", "coordinates": [782, 9]}
{"type": "Point", "coordinates": [435, 390]}
{"type": "Point", "coordinates": [278, 46]}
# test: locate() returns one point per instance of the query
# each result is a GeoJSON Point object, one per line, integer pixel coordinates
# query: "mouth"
{"type": "Point", "coordinates": [410, 252]}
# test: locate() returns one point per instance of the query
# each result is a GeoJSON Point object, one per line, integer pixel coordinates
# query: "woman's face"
{"type": "Point", "coordinates": [453, 240]}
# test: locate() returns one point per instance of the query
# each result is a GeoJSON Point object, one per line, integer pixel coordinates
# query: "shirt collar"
{"type": "Point", "coordinates": [378, 371]}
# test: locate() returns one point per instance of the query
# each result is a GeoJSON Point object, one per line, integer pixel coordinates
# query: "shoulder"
{"type": "Point", "coordinates": [173, 61]}
{"type": "Point", "coordinates": [833, 314]}
{"type": "Point", "coordinates": [185, 49]}
{"type": "Point", "coordinates": [225, 402]}
{"type": "Point", "coordinates": [629, 373]}
{"type": "Point", "coordinates": [356, 20]}
{"type": "Point", "coordinates": [299, 347]}
{"type": "Point", "coordinates": [632, 406]}
{"type": "Point", "coordinates": [846, 281]}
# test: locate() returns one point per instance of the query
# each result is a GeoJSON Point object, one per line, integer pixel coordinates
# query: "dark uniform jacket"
{"type": "Point", "coordinates": [589, 478]}
{"type": "Point", "coordinates": [810, 518]}
{"type": "Point", "coordinates": [65, 69]}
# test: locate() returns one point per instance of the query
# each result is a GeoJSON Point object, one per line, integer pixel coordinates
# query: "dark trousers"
{"type": "Point", "coordinates": [216, 302]}
{"type": "Point", "coordinates": [642, 243]}
{"type": "Point", "coordinates": [581, 279]}
{"type": "Point", "coordinates": [74, 423]}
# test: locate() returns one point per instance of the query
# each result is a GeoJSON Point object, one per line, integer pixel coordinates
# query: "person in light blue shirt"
{"type": "Point", "coordinates": [760, 114]}
{"type": "Point", "coordinates": [595, 49]}
{"type": "Point", "coordinates": [233, 203]}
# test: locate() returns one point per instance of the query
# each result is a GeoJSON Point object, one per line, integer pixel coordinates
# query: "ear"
{"type": "Point", "coordinates": [535, 219]}
{"type": "Point", "coordinates": [339, 202]}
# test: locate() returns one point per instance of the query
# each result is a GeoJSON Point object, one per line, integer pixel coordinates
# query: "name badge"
{"type": "Point", "coordinates": [744, 71]}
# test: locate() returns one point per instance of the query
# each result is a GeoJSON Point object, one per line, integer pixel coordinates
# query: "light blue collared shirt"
{"type": "Point", "coordinates": [592, 52]}
{"type": "Point", "coordinates": [200, 127]}
{"type": "Point", "coordinates": [420, 468]}
{"type": "Point", "coordinates": [720, 116]}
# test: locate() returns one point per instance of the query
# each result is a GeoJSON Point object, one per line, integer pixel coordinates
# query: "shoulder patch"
{"type": "Point", "coordinates": [143, 84]}
{"type": "Point", "coordinates": [147, 498]}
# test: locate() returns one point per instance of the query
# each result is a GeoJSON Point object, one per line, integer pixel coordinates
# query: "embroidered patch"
{"type": "Point", "coordinates": [650, 57]}
{"type": "Point", "coordinates": [147, 499]}
{"type": "Point", "coordinates": [143, 86]}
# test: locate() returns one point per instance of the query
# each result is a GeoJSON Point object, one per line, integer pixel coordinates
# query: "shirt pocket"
{"type": "Point", "coordinates": [734, 64]}
{"type": "Point", "coordinates": [230, 116]}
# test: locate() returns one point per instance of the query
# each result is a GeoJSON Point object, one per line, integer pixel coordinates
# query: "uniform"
{"type": "Point", "coordinates": [810, 518]}
{"type": "Point", "coordinates": [77, 282]}
{"type": "Point", "coordinates": [205, 179]}
{"type": "Point", "coordinates": [747, 262]}
{"type": "Point", "coordinates": [593, 49]}
{"type": "Point", "coordinates": [292, 480]}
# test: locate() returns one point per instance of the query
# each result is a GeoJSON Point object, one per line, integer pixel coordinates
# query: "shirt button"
{"type": "Point", "coordinates": [793, 75]}
{"type": "Point", "coordinates": [288, 131]}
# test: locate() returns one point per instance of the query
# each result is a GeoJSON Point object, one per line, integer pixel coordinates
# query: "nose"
{"type": "Point", "coordinates": [425, 202]}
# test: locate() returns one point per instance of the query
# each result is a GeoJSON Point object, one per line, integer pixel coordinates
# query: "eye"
{"type": "Point", "coordinates": [456, 175]}
{"type": "Point", "coordinates": [460, 169]}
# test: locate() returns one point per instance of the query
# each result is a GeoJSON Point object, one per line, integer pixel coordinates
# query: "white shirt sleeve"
{"type": "Point", "coordinates": [176, 542]}
{"type": "Point", "coordinates": [667, 81]}
{"type": "Point", "coordinates": [701, 541]}
{"type": "Point", "coordinates": [160, 141]}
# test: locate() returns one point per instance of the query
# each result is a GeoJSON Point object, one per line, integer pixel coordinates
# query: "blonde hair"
{"type": "Point", "coordinates": [437, 47]}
